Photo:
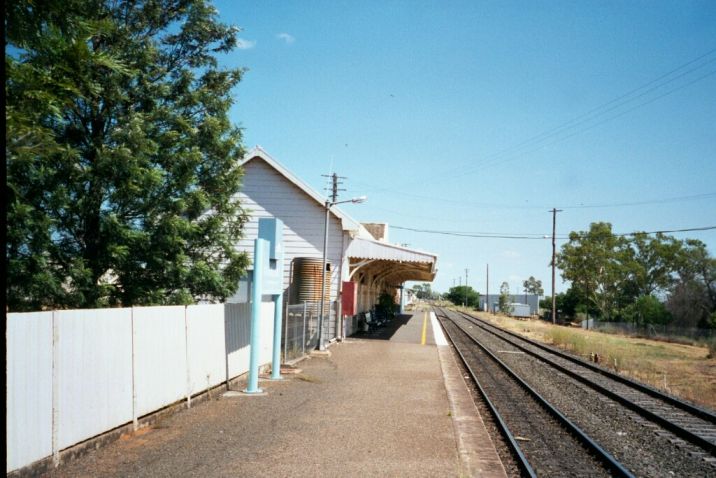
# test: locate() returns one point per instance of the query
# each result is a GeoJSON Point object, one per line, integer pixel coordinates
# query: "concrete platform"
{"type": "Point", "coordinates": [377, 406]}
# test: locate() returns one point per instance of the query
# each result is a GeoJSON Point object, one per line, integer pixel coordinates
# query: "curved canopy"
{"type": "Point", "coordinates": [390, 263]}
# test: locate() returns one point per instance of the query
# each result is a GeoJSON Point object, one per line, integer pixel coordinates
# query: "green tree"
{"type": "Point", "coordinates": [568, 303]}
{"type": "Point", "coordinates": [652, 262]}
{"type": "Point", "coordinates": [692, 298]}
{"type": "Point", "coordinates": [695, 263]}
{"type": "Point", "coordinates": [647, 309]}
{"type": "Point", "coordinates": [533, 286]}
{"type": "Point", "coordinates": [121, 160]}
{"type": "Point", "coordinates": [594, 262]}
{"type": "Point", "coordinates": [457, 296]}
{"type": "Point", "coordinates": [504, 302]}
{"type": "Point", "coordinates": [423, 291]}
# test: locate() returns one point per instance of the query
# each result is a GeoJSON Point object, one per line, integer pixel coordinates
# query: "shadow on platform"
{"type": "Point", "coordinates": [387, 331]}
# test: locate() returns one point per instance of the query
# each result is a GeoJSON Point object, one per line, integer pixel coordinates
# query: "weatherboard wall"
{"type": "Point", "coordinates": [266, 193]}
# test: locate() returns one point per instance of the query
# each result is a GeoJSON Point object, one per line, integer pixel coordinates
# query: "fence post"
{"type": "Point", "coordinates": [285, 333]}
{"type": "Point", "coordinates": [277, 315]}
{"type": "Point", "coordinates": [303, 337]}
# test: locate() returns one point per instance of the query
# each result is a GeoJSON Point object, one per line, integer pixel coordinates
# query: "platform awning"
{"type": "Point", "coordinates": [390, 263]}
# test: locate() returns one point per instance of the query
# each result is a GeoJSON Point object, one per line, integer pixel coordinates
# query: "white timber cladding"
{"type": "Point", "coordinates": [267, 193]}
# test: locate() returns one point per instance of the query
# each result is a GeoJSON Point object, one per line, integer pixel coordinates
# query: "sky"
{"type": "Point", "coordinates": [479, 117]}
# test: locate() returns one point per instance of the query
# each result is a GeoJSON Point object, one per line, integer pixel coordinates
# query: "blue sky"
{"type": "Point", "coordinates": [481, 116]}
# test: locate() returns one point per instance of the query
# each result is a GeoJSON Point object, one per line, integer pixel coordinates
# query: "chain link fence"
{"type": "Point", "coordinates": [301, 328]}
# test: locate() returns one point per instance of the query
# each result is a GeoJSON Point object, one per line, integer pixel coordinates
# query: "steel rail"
{"type": "Point", "coordinates": [588, 442]}
{"type": "Point", "coordinates": [660, 420]}
{"type": "Point", "coordinates": [502, 426]}
{"type": "Point", "coordinates": [702, 413]}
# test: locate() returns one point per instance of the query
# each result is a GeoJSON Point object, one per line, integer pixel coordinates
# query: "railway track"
{"type": "Point", "coordinates": [688, 422]}
{"type": "Point", "coordinates": [544, 441]}
{"type": "Point", "coordinates": [652, 434]}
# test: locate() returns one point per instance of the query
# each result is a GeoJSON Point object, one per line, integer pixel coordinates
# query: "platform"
{"type": "Point", "coordinates": [378, 406]}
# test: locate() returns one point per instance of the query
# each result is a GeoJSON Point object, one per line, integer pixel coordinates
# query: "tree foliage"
{"type": "Point", "coordinates": [424, 291]}
{"type": "Point", "coordinates": [568, 303]}
{"type": "Point", "coordinates": [533, 286]}
{"type": "Point", "coordinates": [122, 165]}
{"type": "Point", "coordinates": [626, 277]}
{"type": "Point", "coordinates": [593, 262]}
{"type": "Point", "coordinates": [504, 301]}
{"type": "Point", "coordinates": [458, 294]}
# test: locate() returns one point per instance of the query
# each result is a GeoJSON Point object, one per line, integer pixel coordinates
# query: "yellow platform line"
{"type": "Point", "coordinates": [425, 328]}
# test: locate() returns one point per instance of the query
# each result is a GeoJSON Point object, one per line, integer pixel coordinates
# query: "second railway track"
{"type": "Point", "coordinates": [645, 447]}
{"type": "Point", "coordinates": [546, 442]}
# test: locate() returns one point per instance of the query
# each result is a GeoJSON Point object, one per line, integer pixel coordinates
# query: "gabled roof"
{"type": "Point", "coordinates": [347, 222]}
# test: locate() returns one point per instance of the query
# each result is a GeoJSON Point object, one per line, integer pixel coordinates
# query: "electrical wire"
{"type": "Point", "coordinates": [530, 236]}
{"type": "Point", "coordinates": [667, 200]}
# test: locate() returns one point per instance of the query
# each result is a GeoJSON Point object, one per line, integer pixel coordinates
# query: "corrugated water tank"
{"type": "Point", "coordinates": [306, 280]}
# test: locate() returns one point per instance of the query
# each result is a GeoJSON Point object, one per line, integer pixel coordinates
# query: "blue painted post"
{"type": "Point", "coordinates": [277, 315]}
{"type": "Point", "coordinates": [256, 293]}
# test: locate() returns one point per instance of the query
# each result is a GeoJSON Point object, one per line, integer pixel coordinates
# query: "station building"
{"type": "Point", "coordinates": [361, 263]}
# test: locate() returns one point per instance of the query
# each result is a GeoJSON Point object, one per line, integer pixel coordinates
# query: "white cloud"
{"type": "Point", "coordinates": [242, 44]}
{"type": "Point", "coordinates": [288, 38]}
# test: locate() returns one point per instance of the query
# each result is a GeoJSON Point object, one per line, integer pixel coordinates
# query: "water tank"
{"type": "Point", "coordinates": [306, 280]}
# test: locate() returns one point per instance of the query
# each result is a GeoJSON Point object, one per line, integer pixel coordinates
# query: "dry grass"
{"type": "Point", "coordinates": [686, 371]}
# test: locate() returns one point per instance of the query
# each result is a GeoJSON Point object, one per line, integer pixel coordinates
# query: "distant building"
{"type": "Point", "coordinates": [531, 300]}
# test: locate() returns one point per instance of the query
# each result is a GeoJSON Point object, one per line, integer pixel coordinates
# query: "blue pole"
{"type": "Point", "coordinates": [259, 254]}
{"type": "Point", "coordinates": [277, 315]}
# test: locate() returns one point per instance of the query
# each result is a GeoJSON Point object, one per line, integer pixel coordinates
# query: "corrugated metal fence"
{"type": "Point", "coordinates": [75, 374]}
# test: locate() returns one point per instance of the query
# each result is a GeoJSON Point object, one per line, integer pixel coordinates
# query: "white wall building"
{"type": "Point", "coordinates": [270, 190]}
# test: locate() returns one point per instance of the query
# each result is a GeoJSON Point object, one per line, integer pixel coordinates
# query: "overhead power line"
{"type": "Point", "coordinates": [529, 144]}
{"type": "Point", "coordinates": [532, 236]}
{"type": "Point", "coordinates": [666, 200]}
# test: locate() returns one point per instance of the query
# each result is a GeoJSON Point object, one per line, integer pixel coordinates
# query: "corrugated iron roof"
{"type": "Point", "coordinates": [362, 248]}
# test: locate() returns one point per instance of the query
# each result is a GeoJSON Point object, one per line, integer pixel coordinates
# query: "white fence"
{"type": "Point", "coordinates": [75, 374]}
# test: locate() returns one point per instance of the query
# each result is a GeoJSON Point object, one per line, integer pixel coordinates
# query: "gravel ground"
{"type": "Point", "coordinates": [639, 445]}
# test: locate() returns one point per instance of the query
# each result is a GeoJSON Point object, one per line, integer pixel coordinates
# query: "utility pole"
{"type": "Point", "coordinates": [466, 287]}
{"type": "Point", "coordinates": [554, 212]}
{"type": "Point", "coordinates": [321, 308]}
{"type": "Point", "coordinates": [487, 291]}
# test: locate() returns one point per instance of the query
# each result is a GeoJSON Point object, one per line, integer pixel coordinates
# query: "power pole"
{"type": "Point", "coordinates": [487, 291]}
{"type": "Point", "coordinates": [466, 287]}
{"type": "Point", "coordinates": [334, 189]}
{"type": "Point", "coordinates": [554, 255]}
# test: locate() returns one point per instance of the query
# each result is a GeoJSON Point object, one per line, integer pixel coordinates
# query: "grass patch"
{"type": "Point", "coordinates": [687, 371]}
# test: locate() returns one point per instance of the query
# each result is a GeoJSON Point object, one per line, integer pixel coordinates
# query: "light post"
{"type": "Point", "coordinates": [328, 205]}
